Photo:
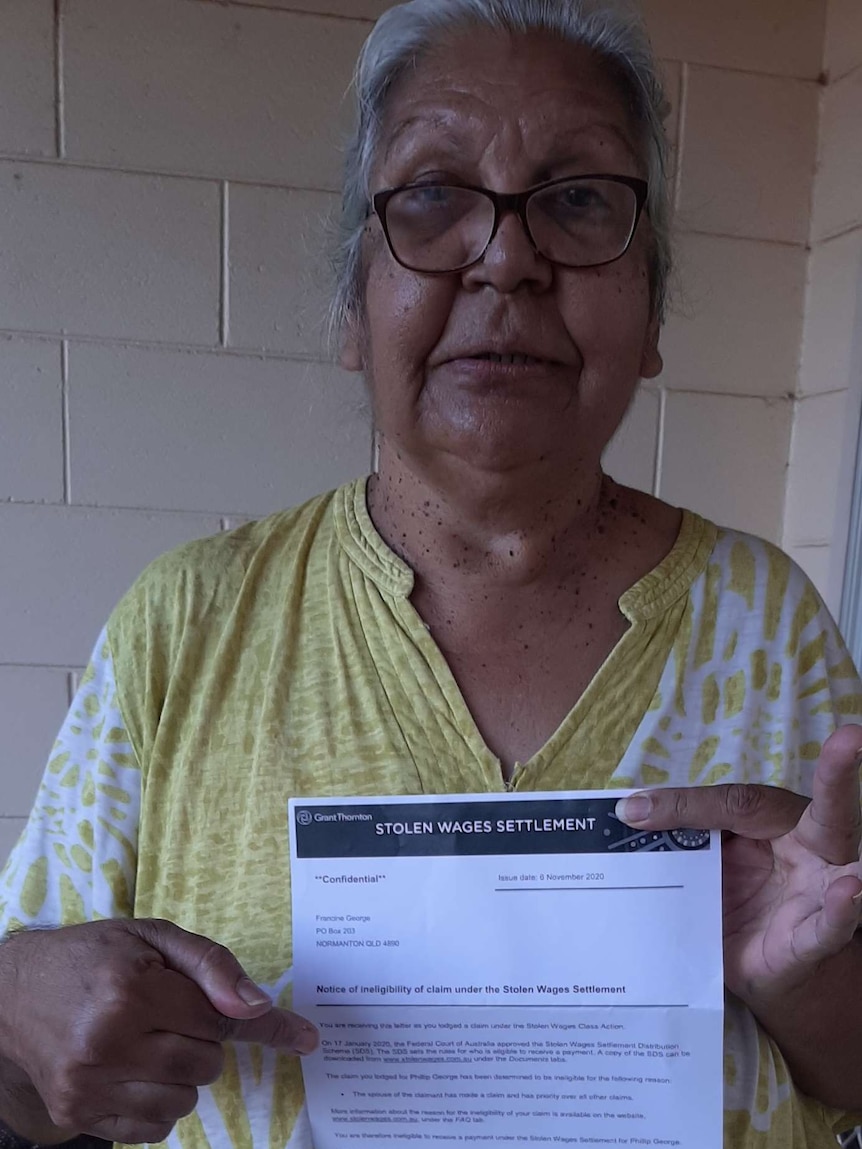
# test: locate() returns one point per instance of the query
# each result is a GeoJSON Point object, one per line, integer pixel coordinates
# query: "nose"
{"type": "Point", "coordinates": [510, 261]}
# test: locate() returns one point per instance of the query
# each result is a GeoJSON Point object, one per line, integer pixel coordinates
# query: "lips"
{"type": "Point", "coordinates": [514, 360]}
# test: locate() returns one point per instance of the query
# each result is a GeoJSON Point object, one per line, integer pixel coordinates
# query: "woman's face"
{"type": "Point", "coordinates": [504, 113]}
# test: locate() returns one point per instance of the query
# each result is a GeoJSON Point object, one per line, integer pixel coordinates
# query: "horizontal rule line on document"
{"type": "Point", "coordinates": [491, 1005]}
{"type": "Point", "coordinates": [575, 889]}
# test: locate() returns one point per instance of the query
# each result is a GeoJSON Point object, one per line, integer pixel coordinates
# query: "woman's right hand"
{"type": "Point", "coordinates": [116, 1024]}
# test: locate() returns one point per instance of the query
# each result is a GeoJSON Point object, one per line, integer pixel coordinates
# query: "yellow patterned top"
{"type": "Point", "coordinates": [286, 659]}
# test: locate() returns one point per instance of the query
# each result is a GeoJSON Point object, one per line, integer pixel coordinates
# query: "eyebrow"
{"type": "Point", "coordinates": [437, 121]}
{"type": "Point", "coordinates": [561, 145]}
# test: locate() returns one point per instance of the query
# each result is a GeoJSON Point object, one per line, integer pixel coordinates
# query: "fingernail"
{"type": "Point", "coordinates": [857, 897]}
{"type": "Point", "coordinates": [631, 810]}
{"type": "Point", "coordinates": [252, 994]}
{"type": "Point", "coordinates": [307, 1040]}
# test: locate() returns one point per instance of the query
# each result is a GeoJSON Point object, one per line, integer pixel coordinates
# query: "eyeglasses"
{"type": "Point", "coordinates": [585, 221]}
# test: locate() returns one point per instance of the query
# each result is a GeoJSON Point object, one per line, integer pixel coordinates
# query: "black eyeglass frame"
{"type": "Point", "coordinates": [513, 202]}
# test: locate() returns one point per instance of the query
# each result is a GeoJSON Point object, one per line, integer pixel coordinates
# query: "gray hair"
{"type": "Point", "coordinates": [609, 28]}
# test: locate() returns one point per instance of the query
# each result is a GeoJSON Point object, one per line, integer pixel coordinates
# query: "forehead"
{"type": "Point", "coordinates": [479, 88]}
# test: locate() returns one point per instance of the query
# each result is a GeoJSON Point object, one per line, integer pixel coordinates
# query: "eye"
{"type": "Point", "coordinates": [426, 196]}
{"type": "Point", "coordinates": [433, 206]}
{"type": "Point", "coordinates": [581, 198]}
{"type": "Point", "coordinates": [582, 206]}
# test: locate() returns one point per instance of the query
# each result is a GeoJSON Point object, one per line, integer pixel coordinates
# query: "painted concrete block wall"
{"type": "Point", "coordinates": [829, 408]}
{"type": "Point", "coordinates": [745, 87]}
{"type": "Point", "coordinates": [166, 173]}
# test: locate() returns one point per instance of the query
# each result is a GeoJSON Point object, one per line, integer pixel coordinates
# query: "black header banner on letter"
{"type": "Point", "coordinates": [437, 829]}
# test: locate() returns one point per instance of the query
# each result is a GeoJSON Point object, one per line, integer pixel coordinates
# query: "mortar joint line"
{"type": "Point", "coordinates": [59, 83]}
{"type": "Point", "coordinates": [262, 6]}
{"type": "Point", "coordinates": [67, 454]}
{"type": "Point", "coordinates": [660, 436]}
{"type": "Point", "coordinates": [224, 288]}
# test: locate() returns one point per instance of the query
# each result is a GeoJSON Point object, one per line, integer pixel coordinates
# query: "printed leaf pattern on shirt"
{"type": "Point", "coordinates": [76, 859]}
{"type": "Point", "coordinates": [757, 679]}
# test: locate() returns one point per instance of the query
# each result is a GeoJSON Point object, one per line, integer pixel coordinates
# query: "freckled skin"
{"type": "Point", "coordinates": [525, 546]}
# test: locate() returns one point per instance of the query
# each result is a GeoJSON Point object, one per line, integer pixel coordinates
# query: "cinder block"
{"type": "Point", "coordinates": [838, 190]}
{"type": "Point", "coordinates": [358, 9]}
{"type": "Point", "coordinates": [815, 467]}
{"type": "Point", "coordinates": [31, 426]}
{"type": "Point", "coordinates": [843, 37]}
{"type": "Point", "coordinates": [210, 89]}
{"type": "Point", "coordinates": [280, 278]}
{"type": "Point", "coordinates": [776, 37]}
{"type": "Point", "coordinates": [631, 455]}
{"type": "Point", "coordinates": [748, 156]}
{"type": "Point", "coordinates": [736, 322]}
{"type": "Point", "coordinates": [105, 253]}
{"type": "Point", "coordinates": [726, 458]}
{"type": "Point", "coordinates": [71, 567]}
{"type": "Point", "coordinates": [832, 345]}
{"type": "Point", "coordinates": [33, 703]}
{"type": "Point", "coordinates": [27, 121]}
{"type": "Point", "coordinates": [219, 433]}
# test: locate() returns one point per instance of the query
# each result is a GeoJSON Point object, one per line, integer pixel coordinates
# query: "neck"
{"type": "Point", "coordinates": [510, 530]}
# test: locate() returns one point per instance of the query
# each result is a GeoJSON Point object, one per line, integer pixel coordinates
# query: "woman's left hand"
{"type": "Point", "coordinates": [792, 872]}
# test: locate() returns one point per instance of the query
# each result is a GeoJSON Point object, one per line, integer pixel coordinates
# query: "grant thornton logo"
{"type": "Point", "coordinates": [304, 817]}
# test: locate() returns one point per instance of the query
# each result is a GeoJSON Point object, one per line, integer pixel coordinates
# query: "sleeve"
{"type": "Point", "coordinates": [77, 857]}
{"type": "Point", "coordinates": [825, 682]}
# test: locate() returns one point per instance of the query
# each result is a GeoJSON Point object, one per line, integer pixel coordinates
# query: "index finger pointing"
{"type": "Point", "coordinates": [832, 825]}
{"type": "Point", "coordinates": [179, 1006]}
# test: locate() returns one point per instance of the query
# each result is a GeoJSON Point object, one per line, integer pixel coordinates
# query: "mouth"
{"type": "Point", "coordinates": [514, 360]}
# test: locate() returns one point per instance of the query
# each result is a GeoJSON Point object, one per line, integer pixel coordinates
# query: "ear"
{"type": "Point", "coordinates": [350, 356]}
{"type": "Point", "coordinates": [652, 363]}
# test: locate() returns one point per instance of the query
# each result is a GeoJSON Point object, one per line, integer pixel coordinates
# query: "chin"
{"type": "Point", "coordinates": [502, 450]}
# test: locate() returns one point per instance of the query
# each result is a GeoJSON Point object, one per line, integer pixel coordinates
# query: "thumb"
{"type": "Point", "coordinates": [212, 967]}
{"type": "Point", "coordinates": [279, 1029]}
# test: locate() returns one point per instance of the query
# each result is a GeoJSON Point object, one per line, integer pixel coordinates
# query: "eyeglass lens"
{"type": "Point", "coordinates": [579, 223]}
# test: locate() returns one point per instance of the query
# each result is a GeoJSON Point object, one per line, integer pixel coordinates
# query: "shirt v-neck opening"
{"type": "Point", "coordinates": [642, 605]}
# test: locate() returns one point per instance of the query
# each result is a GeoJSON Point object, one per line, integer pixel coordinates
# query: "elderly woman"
{"type": "Point", "coordinates": [489, 611]}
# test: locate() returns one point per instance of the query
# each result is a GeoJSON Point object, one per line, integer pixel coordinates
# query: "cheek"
{"type": "Point", "coordinates": [406, 315]}
{"type": "Point", "coordinates": [608, 312]}
{"type": "Point", "coordinates": [609, 318]}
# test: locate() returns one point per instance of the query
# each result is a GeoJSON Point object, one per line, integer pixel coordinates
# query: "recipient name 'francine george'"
{"type": "Point", "coordinates": [482, 826]}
